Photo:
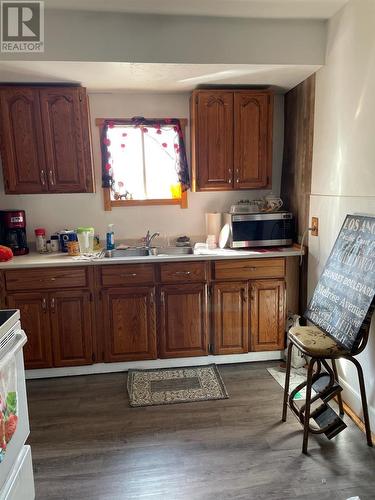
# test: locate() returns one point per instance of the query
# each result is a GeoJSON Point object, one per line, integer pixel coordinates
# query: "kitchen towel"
{"type": "Point", "coordinates": [213, 224]}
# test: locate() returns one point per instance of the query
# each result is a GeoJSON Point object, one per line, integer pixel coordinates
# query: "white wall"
{"type": "Point", "coordinates": [104, 36]}
{"type": "Point", "coordinates": [58, 211]}
{"type": "Point", "coordinates": [343, 176]}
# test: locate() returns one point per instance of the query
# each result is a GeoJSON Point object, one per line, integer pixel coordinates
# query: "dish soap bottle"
{"type": "Point", "coordinates": [110, 237]}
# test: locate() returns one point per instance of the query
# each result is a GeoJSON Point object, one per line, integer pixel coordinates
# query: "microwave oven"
{"type": "Point", "coordinates": [260, 229]}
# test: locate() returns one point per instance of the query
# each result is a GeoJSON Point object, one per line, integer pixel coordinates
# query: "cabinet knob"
{"type": "Point", "coordinates": [44, 304]}
{"type": "Point", "coordinates": [53, 304]}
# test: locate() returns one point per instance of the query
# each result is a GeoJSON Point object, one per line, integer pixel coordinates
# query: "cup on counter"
{"type": "Point", "coordinates": [85, 239]}
{"type": "Point", "coordinates": [73, 248]}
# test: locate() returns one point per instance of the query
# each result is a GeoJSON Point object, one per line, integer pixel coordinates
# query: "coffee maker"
{"type": "Point", "coordinates": [13, 231]}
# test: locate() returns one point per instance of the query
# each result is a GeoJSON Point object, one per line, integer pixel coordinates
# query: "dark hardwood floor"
{"type": "Point", "coordinates": [87, 443]}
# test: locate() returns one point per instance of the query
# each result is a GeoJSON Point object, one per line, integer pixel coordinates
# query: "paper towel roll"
{"type": "Point", "coordinates": [213, 224]}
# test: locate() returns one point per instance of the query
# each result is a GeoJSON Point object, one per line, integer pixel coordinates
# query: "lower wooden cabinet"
{"type": "Point", "coordinates": [267, 315]}
{"type": "Point", "coordinates": [71, 328]}
{"type": "Point", "coordinates": [129, 324]}
{"type": "Point", "coordinates": [183, 320]}
{"type": "Point", "coordinates": [33, 307]}
{"type": "Point", "coordinates": [230, 315]}
{"type": "Point", "coordinates": [58, 326]}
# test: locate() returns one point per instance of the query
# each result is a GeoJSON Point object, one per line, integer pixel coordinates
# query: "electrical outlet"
{"type": "Point", "coordinates": [315, 226]}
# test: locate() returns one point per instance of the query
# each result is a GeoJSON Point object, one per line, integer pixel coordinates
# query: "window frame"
{"type": "Point", "coordinates": [109, 203]}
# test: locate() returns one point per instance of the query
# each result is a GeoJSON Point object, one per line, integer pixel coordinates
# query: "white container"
{"type": "Point", "coordinates": [85, 237]}
{"type": "Point", "coordinates": [40, 240]}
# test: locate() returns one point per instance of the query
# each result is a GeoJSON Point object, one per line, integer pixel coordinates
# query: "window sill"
{"type": "Point", "coordinates": [109, 204]}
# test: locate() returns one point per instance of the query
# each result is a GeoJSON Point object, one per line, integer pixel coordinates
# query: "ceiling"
{"type": "Point", "coordinates": [308, 9]}
{"type": "Point", "coordinates": [136, 77]}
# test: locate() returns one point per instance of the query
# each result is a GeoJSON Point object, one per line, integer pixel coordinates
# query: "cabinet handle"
{"type": "Point", "coordinates": [44, 304]}
{"type": "Point", "coordinates": [162, 297]}
{"type": "Point", "coordinates": [51, 179]}
{"type": "Point", "coordinates": [43, 178]}
{"type": "Point", "coordinates": [53, 304]}
{"type": "Point", "coordinates": [237, 180]}
{"type": "Point", "coordinates": [244, 298]}
{"type": "Point", "coordinates": [152, 298]}
{"type": "Point", "coordinates": [128, 275]}
{"type": "Point", "coordinates": [185, 273]}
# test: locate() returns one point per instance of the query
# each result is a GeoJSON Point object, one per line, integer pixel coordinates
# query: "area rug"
{"type": "Point", "coordinates": [175, 385]}
{"type": "Point", "coordinates": [297, 376]}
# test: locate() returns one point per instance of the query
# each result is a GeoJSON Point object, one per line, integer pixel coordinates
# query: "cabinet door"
{"type": "Point", "coordinates": [213, 140]}
{"type": "Point", "coordinates": [22, 141]}
{"type": "Point", "coordinates": [65, 127]}
{"type": "Point", "coordinates": [129, 324]}
{"type": "Point", "coordinates": [35, 322]}
{"type": "Point", "coordinates": [267, 315]}
{"type": "Point", "coordinates": [252, 140]}
{"type": "Point", "coordinates": [183, 320]}
{"type": "Point", "coordinates": [230, 311]}
{"type": "Point", "coordinates": [71, 327]}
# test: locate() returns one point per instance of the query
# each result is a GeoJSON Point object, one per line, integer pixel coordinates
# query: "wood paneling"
{"type": "Point", "coordinates": [182, 272]}
{"type": "Point", "coordinates": [33, 307]}
{"type": "Point", "coordinates": [127, 274]}
{"type": "Point", "coordinates": [297, 163]}
{"type": "Point", "coordinates": [22, 146]}
{"type": "Point", "coordinates": [129, 323]}
{"type": "Point", "coordinates": [183, 320]}
{"type": "Point", "coordinates": [213, 137]}
{"type": "Point", "coordinates": [249, 269]}
{"type": "Point", "coordinates": [252, 140]}
{"type": "Point", "coordinates": [267, 315]}
{"type": "Point", "coordinates": [230, 310]}
{"type": "Point", "coordinates": [47, 278]}
{"type": "Point", "coordinates": [71, 327]}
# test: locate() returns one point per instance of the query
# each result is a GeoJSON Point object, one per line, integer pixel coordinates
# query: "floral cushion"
{"type": "Point", "coordinates": [314, 342]}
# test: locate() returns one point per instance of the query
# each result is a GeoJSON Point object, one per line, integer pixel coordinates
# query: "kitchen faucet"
{"type": "Point", "coordinates": [149, 237]}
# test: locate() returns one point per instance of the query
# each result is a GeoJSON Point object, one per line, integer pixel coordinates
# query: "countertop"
{"type": "Point", "coordinates": [35, 260]}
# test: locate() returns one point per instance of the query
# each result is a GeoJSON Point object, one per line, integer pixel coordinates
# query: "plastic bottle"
{"type": "Point", "coordinates": [110, 237]}
{"type": "Point", "coordinates": [40, 240]}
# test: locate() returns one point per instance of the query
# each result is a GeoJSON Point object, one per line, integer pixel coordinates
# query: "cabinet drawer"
{"type": "Point", "coordinates": [127, 274]}
{"type": "Point", "coordinates": [177, 272]}
{"type": "Point", "coordinates": [249, 268]}
{"type": "Point", "coordinates": [41, 279]}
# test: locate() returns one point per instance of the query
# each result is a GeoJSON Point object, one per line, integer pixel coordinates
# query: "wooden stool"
{"type": "Point", "coordinates": [312, 342]}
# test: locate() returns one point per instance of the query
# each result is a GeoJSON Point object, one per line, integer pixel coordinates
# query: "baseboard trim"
{"type": "Point", "coordinates": [358, 422]}
{"type": "Point", "coordinates": [153, 363]}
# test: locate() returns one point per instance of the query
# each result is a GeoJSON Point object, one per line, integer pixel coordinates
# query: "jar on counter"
{"type": "Point", "coordinates": [40, 241]}
{"type": "Point", "coordinates": [48, 246]}
{"type": "Point", "coordinates": [55, 243]}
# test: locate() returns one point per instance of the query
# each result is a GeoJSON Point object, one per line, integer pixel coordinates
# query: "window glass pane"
{"type": "Point", "coordinates": [160, 159]}
{"type": "Point", "coordinates": [126, 153]}
{"type": "Point", "coordinates": [144, 162]}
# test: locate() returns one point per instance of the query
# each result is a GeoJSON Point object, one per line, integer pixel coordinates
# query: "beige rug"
{"type": "Point", "coordinates": [175, 385]}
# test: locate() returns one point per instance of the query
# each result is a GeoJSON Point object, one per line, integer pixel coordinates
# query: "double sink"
{"type": "Point", "coordinates": [120, 253]}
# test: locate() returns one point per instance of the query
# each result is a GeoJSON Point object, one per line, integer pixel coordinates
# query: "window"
{"type": "Point", "coordinates": [144, 162]}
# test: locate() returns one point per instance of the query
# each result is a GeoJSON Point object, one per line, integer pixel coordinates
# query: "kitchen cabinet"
{"type": "Point", "coordinates": [129, 323]}
{"type": "Point", "coordinates": [57, 315]}
{"type": "Point", "coordinates": [183, 320]}
{"type": "Point", "coordinates": [45, 140]}
{"type": "Point", "coordinates": [35, 321]}
{"type": "Point", "coordinates": [230, 314]}
{"type": "Point", "coordinates": [71, 327]}
{"type": "Point", "coordinates": [231, 139]}
{"type": "Point", "coordinates": [267, 308]}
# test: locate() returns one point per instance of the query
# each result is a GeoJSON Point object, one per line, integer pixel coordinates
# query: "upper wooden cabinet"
{"type": "Point", "coordinates": [231, 138]}
{"type": "Point", "coordinates": [45, 140]}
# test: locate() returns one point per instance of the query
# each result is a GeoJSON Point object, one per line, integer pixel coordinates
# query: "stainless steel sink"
{"type": "Point", "coordinates": [120, 253]}
{"type": "Point", "coordinates": [171, 251]}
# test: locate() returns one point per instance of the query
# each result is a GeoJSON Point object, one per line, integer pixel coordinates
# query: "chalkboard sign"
{"type": "Point", "coordinates": [346, 288]}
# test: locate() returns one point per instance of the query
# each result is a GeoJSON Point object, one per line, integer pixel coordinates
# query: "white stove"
{"type": "Point", "coordinates": [16, 472]}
